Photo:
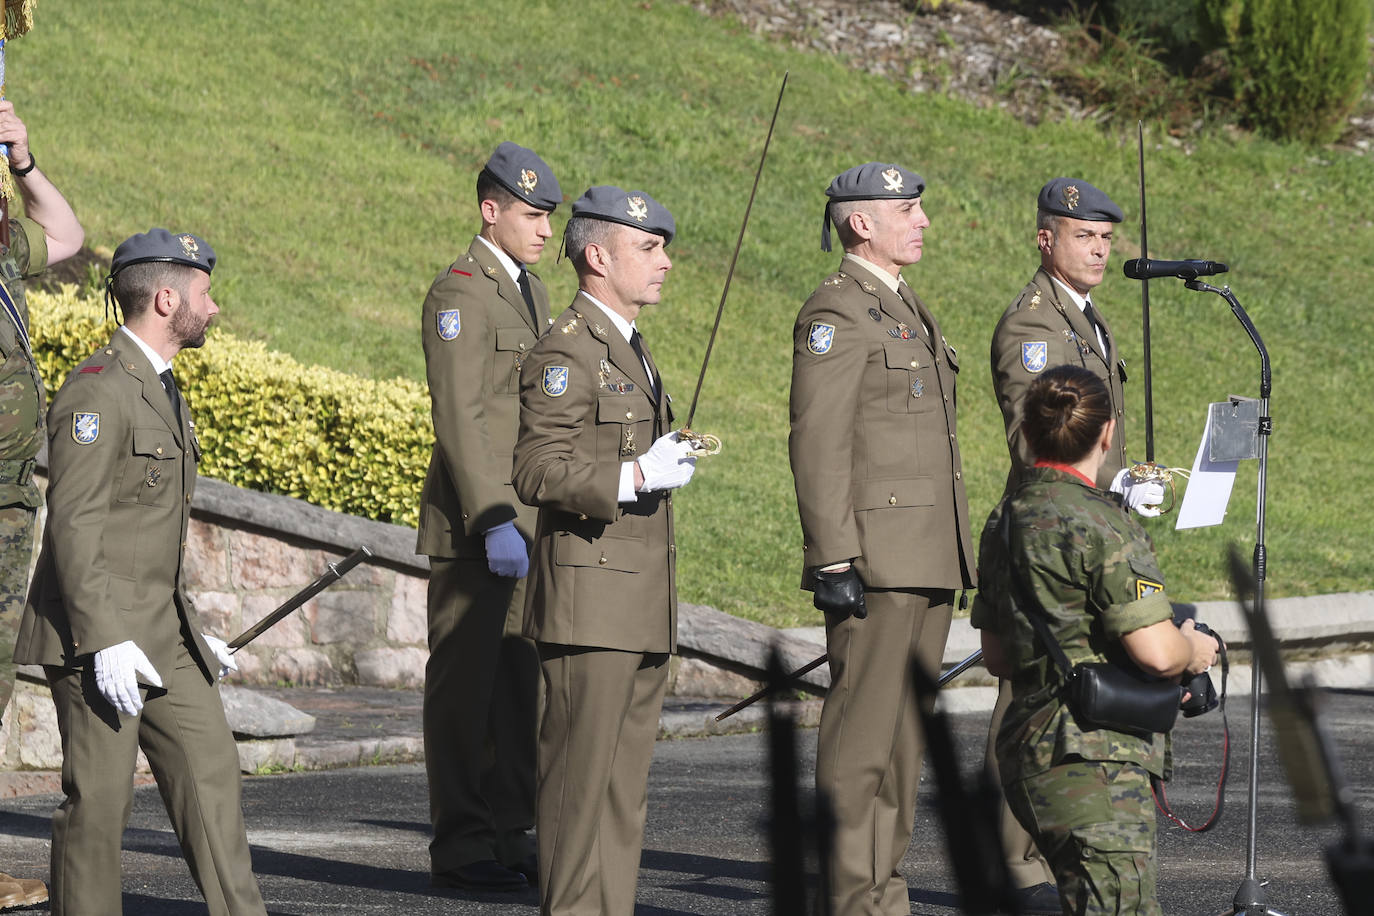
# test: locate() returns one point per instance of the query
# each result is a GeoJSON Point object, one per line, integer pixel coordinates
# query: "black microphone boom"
{"type": "Point", "coordinates": [1147, 269]}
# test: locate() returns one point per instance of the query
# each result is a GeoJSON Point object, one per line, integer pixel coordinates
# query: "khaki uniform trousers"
{"type": "Point", "coordinates": [868, 757]}
{"type": "Point", "coordinates": [481, 710]}
{"type": "Point", "coordinates": [1025, 864]}
{"type": "Point", "coordinates": [595, 746]}
{"type": "Point", "coordinates": [191, 751]}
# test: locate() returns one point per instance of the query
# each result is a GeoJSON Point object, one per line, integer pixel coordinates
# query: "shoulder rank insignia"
{"type": "Point", "coordinates": [868, 287]}
{"type": "Point", "coordinates": [820, 337]}
{"type": "Point", "coordinates": [1145, 588]}
{"type": "Point", "coordinates": [834, 281]}
{"type": "Point", "coordinates": [450, 324]}
{"type": "Point", "coordinates": [555, 381]}
{"type": "Point", "coordinates": [570, 327]}
{"type": "Point", "coordinates": [1034, 354]}
{"type": "Point", "coordinates": [85, 427]}
{"type": "Point", "coordinates": [1035, 300]}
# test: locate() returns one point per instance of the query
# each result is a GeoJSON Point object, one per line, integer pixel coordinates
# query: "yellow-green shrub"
{"type": "Point", "coordinates": [268, 423]}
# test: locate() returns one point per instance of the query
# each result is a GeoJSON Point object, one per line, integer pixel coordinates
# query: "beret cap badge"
{"type": "Point", "coordinates": [529, 180]}
{"type": "Point", "coordinates": [190, 246]}
{"type": "Point", "coordinates": [892, 180]}
{"type": "Point", "coordinates": [638, 209]}
{"type": "Point", "coordinates": [1071, 197]}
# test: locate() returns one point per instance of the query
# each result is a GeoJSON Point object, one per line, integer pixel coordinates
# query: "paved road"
{"type": "Point", "coordinates": [354, 840]}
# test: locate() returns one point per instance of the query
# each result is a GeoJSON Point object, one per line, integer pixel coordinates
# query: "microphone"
{"type": "Point", "coordinates": [1147, 269]}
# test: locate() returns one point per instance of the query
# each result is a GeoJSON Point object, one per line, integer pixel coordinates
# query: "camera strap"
{"type": "Point", "coordinates": [1157, 784]}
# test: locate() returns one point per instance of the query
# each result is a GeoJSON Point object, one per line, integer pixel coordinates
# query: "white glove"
{"type": "Point", "coordinates": [116, 676]}
{"type": "Point", "coordinates": [1144, 496]}
{"type": "Point", "coordinates": [667, 464]}
{"type": "Point", "coordinates": [222, 655]}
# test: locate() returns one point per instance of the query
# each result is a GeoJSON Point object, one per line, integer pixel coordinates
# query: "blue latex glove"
{"type": "Point", "coordinates": [507, 554]}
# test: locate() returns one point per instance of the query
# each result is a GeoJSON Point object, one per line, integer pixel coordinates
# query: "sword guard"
{"type": "Point", "coordinates": [703, 444]}
{"type": "Point", "coordinates": [1148, 470]}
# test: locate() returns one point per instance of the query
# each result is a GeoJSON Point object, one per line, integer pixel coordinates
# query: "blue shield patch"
{"type": "Point", "coordinates": [450, 324]}
{"type": "Point", "coordinates": [85, 427]}
{"type": "Point", "coordinates": [555, 381]}
{"type": "Point", "coordinates": [1034, 354]}
{"type": "Point", "coordinates": [820, 338]}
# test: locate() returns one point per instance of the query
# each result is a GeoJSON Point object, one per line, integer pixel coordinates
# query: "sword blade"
{"type": "Point", "coordinates": [734, 259]}
{"type": "Point", "coordinates": [335, 572]}
{"type": "Point", "coordinates": [1145, 309]}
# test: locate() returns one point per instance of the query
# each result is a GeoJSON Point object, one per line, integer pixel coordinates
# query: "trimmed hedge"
{"type": "Point", "coordinates": [266, 422]}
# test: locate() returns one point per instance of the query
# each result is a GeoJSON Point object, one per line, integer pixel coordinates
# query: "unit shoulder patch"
{"type": "Point", "coordinates": [555, 381]}
{"type": "Point", "coordinates": [450, 324]}
{"type": "Point", "coordinates": [85, 427]}
{"type": "Point", "coordinates": [820, 337]}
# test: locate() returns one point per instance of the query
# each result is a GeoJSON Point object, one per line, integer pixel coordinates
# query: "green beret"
{"type": "Point", "coordinates": [1075, 198]}
{"type": "Point", "coordinates": [870, 181]}
{"type": "Point", "coordinates": [525, 175]}
{"type": "Point", "coordinates": [629, 208]}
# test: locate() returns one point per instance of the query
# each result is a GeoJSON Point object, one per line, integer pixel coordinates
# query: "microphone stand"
{"type": "Point", "coordinates": [1249, 899]}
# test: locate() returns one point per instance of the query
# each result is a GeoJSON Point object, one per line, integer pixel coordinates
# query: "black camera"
{"type": "Point", "coordinates": [1203, 695]}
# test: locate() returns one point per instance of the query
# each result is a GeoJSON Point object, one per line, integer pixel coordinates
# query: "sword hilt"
{"type": "Point", "coordinates": [703, 444]}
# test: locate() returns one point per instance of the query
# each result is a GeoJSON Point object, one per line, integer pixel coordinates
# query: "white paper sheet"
{"type": "Point", "coordinates": [1209, 487]}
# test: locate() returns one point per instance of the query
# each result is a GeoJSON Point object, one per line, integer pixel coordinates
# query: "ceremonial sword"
{"type": "Point", "coordinates": [335, 572]}
{"type": "Point", "coordinates": [945, 678]}
{"type": "Point", "coordinates": [705, 443]}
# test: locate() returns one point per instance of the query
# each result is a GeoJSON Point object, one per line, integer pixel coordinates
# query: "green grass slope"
{"type": "Point", "coordinates": [328, 152]}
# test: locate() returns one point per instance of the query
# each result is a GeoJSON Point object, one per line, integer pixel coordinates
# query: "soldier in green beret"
{"type": "Point", "coordinates": [884, 520]}
{"type": "Point", "coordinates": [108, 616]}
{"type": "Point", "coordinates": [1082, 793]}
{"type": "Point", "coordinates": [482, 317]}
{"type": "Point", "coordinates": [1053, 321]}
{"type": "Point", "coordinates": [49, 232]}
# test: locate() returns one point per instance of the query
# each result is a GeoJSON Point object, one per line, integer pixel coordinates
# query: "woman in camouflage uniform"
{"type": "Point", "coordinates": [1082, 793]}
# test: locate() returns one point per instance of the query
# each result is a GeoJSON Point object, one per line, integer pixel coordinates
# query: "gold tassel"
{"type": "Point", "coordinates": [18, 17]}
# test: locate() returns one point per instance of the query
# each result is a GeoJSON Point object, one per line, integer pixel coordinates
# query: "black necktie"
{"type": "Point", "coordinates": [637, 344]}
{"type": "Point", "coordinates": [1091, 314]}
{"type": "Point", "coordinates": [170, 384]}
{"type": "Point", "coordinates": [523, 281]}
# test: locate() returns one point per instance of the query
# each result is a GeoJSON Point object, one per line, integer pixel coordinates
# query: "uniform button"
{"type": "Point", "coordinates": [188, 498]}
{"type": "Point", "coordinates": [951, 437]}
{"type": "Point", "coordinates": [602, 561]}
{"type": "Point", "coordinates": [159, 450]}
{"type": "Point", "coordinates": [465, 516]}
{"type": "Point", "coordinates": [957, 475]}
{"type": "Point", "coordinates": [629, 414]}
{"type": "Point", "coordinates": [582, 518]}
{"type": "Point", "coordinates": [915, 364]}
{"type": "Point", "coordinates": [892, 500]}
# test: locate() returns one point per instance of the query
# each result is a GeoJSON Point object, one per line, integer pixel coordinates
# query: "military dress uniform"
{"type": "Point", "coordinates": [122, 475]}
{"type": "Point", "coordinates": [879, 479]}
{"type": "Point", "coordinates": [482, 676]}
{"type": "Point", "coordinates": [21, 435]}
{"type": "Point", "coordinates": [602, 597]}
{"type": "Point", "coordinates": [1043, 328]}
{"type": "Point", "coordinates": [1083, 794]}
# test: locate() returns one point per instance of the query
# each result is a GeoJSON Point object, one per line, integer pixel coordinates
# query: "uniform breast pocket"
{"type": "Point", "coordinates": [912, 379]}
{"type": "Point", "coordinates": [152, 472]}
{"type": "Point", "coordinates": [624, 427]}
{"type": "Point", "coordinates": [512, 346]}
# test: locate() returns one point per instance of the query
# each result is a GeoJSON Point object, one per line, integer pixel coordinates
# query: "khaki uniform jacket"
{"type": "Point", "coordinates": [1038, 319]}
{"type": "Point", "coordinates": [602, 573]}
{"type": "Point", "coordinates": [476, 331]}
{"type": "Point", "coordinates": [873, 444]}
{"type": "Point", "coordinates": [122, 473]}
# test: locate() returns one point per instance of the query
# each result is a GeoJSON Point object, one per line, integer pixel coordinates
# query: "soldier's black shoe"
{"type": "Point", "coordinates": [529, 867]}
{"type": "Point", "coordinates": [1039, 900]}
{"type": "Point", "coordinates": [486, 875]}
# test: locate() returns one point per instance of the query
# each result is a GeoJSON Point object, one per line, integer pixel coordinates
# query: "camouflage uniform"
{"type": "Point", "coordinates": [1084, 794]}
{"type": "Point", "coordinates": [21, 435]}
